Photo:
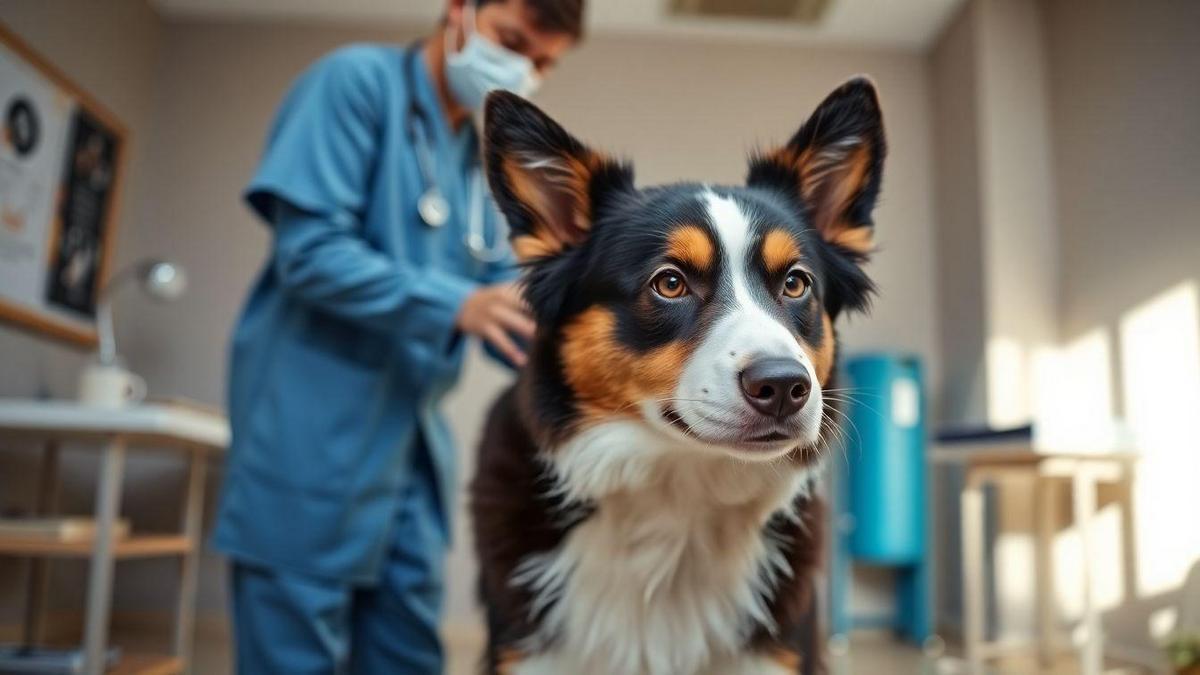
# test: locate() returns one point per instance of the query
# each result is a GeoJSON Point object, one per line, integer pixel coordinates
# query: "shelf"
{"type": "Point", "coordinates": [145, 664]}
{"type": "Point", "coordinates": [137, 546]}
{"type": "Point", "coordinates": [130, 664]}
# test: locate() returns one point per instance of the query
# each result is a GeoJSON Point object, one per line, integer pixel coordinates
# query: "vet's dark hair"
{"type": "Point", "coordinates": [555, 16]}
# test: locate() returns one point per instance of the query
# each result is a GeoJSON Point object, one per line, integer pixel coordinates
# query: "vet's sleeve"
{"type": "Point", "coordinates": [332, 267]}
{"type": "Point", "coordinates": [313, 183]}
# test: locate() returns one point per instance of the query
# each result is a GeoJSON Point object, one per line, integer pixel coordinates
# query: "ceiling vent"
{"type": "Point", "coordinates": [799, 11]}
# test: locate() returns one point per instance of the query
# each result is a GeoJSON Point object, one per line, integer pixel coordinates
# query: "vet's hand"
{"type": "Point", "coordinates": [497, 314]}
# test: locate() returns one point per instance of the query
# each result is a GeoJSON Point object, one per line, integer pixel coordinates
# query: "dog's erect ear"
{"type": "Point", "coordinates": [545, 181]}
{"type": "Point", "coordinates": [833, 164]}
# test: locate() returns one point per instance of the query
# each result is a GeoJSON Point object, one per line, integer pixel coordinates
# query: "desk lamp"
{"type": "Point", "coordinates": [160, 279]}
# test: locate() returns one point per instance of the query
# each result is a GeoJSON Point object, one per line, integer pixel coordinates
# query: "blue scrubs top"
{"type": "Point", "coordinates": [347, 342]}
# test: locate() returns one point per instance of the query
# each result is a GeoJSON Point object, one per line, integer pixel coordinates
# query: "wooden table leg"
{"type": "Point", "coordinates": [100, 574]}
{"type": "Point", "coordinates": [972, 571]}
{"type": "Point", "coordinates": [1091, 657]}
{"type": "Point", "coordinates": [1128, 544]}
{"type": "Point", "coordinates": [1045, 494]}
{"type": "Point", "coordinates": [193, 509]}
{"type": "Point", "coordinates": [39, 568]}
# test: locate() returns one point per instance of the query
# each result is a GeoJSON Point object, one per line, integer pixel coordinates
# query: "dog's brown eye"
{"type": "Point", "coordinates": [670, 284]}
{"type": "Point", "coordinates": [794, 284]}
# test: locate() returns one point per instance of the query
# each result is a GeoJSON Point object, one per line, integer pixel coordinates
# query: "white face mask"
{"type": "Point", "coordinates": [482, 66]}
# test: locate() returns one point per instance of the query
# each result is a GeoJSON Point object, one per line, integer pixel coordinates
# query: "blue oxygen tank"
{"type": "Point", "coordinates": [885, 479]}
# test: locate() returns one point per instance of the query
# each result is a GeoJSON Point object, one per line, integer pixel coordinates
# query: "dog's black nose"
{"type": "Point", "coordinates": [776, 387]}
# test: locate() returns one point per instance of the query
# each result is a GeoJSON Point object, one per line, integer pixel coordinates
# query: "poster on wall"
{"type": "Point", "coordinates": [60, 168]}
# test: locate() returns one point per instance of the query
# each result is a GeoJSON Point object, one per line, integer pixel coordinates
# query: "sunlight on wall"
{"type": "Point", "coordinates": [1160, 367]}
{"type": "Point", "coordinates": [1007, 383]}
{"type": "Point", "coordinates": [1073, 395]}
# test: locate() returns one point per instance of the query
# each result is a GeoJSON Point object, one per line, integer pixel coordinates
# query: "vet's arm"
{"type": "Point", "coordinates": [333, 268]}
{"type": "Point", "coordinates": [330, 266]}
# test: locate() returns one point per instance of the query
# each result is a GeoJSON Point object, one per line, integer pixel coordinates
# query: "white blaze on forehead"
{"type": "Point", "coordinates": [733, 230]}
{"type": "Point", "coordinates": [755, 332]}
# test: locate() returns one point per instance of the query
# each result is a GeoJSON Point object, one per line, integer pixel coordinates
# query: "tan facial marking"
{"type": "Point", "coordinates": [691, 246]}
{"type": "Point", "coordinates": [609, 378]}
{"type": "Point", "coordinates": [779, 249]}
{"type": "Point", "coordinates": [821, 354]}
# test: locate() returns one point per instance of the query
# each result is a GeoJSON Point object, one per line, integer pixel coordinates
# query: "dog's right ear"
{"type": "Point", "coordinates": [546, 182]}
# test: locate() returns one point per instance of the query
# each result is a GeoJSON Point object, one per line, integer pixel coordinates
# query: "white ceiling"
{"type": "Point", "coordinates": [909, 24]}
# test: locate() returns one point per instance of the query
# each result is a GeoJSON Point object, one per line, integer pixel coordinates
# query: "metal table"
{"type": "Point", "coordinates": [196, 433]}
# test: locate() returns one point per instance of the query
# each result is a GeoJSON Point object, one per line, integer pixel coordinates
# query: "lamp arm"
{"type": "Point", "coordinates": [104, 329]}
{"type": "Point", "coordinates": [104, 315]}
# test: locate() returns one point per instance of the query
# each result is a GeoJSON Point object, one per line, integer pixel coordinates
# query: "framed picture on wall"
{"type": "Point", "coordinates": [61, 158]}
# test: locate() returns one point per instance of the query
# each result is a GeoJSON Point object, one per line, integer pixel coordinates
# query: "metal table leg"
{"type": "Point", "coordinates": [100, 575]}
{"type": "Point", "coordinates": [972, 571]}
{"type": "Point", "coordinates": [39, 568]}
{"type": "Point", "coordinates": [193, 509]}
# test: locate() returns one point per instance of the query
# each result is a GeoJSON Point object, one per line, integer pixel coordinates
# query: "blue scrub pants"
{"type": "Point", "coordinates": [295, 624]}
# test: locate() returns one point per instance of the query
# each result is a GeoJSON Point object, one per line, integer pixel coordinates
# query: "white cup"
{"type": "Point", "coordinates": [110, 386]}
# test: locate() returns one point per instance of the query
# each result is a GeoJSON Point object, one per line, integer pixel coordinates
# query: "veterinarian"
{"type": "Point", "coordinates": [386, 252]}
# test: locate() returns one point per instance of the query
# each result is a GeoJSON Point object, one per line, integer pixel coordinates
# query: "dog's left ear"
{"type": "Point", "coordinates": [833, 166]}
{"type": "Point", "coordinates": [548, 184]}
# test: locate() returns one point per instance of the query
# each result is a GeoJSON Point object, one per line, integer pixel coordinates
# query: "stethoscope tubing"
{"type": "Point", "coordinates": [431, 194]}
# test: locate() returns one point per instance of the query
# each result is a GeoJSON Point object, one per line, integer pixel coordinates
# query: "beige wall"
{"type": "Point", "coordinates": [1126, 93]}
{"type": "Point", "coordinates": [997, 237]}
{"type": "Point", "coordinates": [960, 281]}
{"type": "Point", "coordinates": [1125, 90]}
{"type": "Point", "coordinates": [1020, 243]}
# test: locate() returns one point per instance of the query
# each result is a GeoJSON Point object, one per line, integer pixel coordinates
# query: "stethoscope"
{"type": "Point", "coordinates": [432, 205]}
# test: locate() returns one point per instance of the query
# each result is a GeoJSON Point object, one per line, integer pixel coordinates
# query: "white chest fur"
{"type": "Point", "coordinates": [671, 571]}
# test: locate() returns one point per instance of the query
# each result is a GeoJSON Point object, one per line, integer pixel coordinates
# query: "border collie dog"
{"type": "Point", "coordinates": [642, 501]}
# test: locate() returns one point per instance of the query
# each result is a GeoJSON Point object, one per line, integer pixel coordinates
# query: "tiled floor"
{"type": "Point", "coordinates": [868, 653]}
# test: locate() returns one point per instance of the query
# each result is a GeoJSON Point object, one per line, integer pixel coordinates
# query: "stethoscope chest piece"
{"type": "Point", "coordinates": [433, 208]}
{"type": "Point", "coordinates": [432, 205]}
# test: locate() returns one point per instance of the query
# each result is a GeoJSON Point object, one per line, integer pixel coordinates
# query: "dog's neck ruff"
{"type": "Point", "coordinates": [673, 568]}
